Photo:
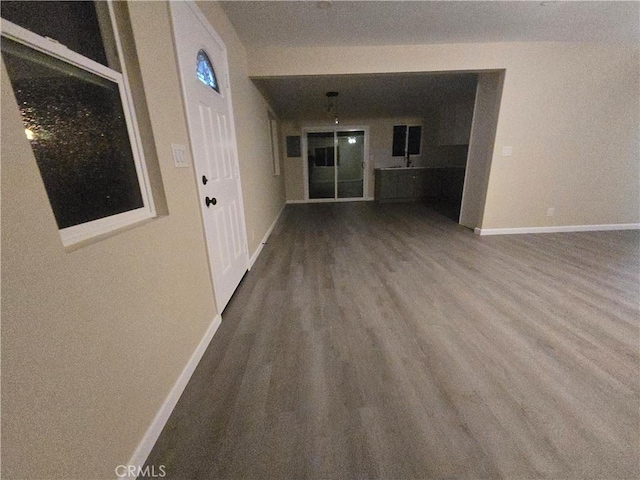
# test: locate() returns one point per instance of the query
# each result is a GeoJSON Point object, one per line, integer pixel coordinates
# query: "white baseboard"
{"type": "Point", "coordinates": [145, 446]}
{"type": "Point", "coordinates": [559, 229]}
{"type": "Point", "coordinates": [254, 257]}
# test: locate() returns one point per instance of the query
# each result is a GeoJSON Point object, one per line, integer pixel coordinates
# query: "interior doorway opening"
{"type": "Point", "coordinates": [455, 113]}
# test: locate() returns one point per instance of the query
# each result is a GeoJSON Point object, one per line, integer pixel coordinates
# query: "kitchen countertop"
{"type": "Point", "coordinates": [416, 168]}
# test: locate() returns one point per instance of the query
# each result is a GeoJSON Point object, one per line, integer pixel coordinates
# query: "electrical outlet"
{"type": "Point", "coordinates": [507, 151]}
{"type": "Point", "coordinates": [551, 211]}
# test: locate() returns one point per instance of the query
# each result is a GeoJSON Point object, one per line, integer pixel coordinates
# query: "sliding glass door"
{"type": "Point", "coordinates": [321, 160]}
{"type": "Point", "coordinates": [350, 174]}
{"type": "Point", "coordinates": [335, 163]}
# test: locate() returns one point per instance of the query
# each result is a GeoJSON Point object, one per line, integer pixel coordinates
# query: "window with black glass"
{"type": "Point", "coordinates": [76, 114]}
{"type": "Point", "coordinates": [73, 24]}
{"type": "Point", "coordinates": [406, 140]}
{"type": "Point", "coordinates": [75, 123]}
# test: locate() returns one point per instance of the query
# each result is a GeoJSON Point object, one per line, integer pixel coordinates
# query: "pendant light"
{"type": "Point", "coordinates": [332, 106]}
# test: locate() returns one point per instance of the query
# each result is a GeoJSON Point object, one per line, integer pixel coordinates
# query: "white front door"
{"type": "Point", "coordinates": [203, 67]}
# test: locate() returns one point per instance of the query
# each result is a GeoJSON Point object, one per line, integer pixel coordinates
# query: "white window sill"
{"type": "Point", "coordinates": [91, 232]}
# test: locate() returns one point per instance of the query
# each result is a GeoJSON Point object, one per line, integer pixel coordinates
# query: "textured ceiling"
{"type": "Point", "coordinates": [366, 96]}
{"type": "Point", "coordinates": [312, 23]}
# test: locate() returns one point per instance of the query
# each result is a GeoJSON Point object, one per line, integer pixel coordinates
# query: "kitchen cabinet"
{"type": "Point", "coordinates": [405, 184]}
{"type": "Point", "coordinates": [413, 184]}
{"type": "Point", "coordinates": [386, 186]}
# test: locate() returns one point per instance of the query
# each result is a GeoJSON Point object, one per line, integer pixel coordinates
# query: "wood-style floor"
{"type": "Point", "coordinates": [386, 341]}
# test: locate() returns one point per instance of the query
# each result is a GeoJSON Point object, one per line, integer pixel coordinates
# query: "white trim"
{"type": "Point", "coordinates": [84, 231]}
{"type": "Point", "coordinates": [57, 50]}
{"type": "Point", "coordinates": [568, 228]}
{"type": "Point", "coordinates": [141, 169]}
{"type": "Point", "coordinates": [275, 147]}
{"type": "Point", "coordinates": [145, 446]}
{"type": "Point", "coordinates": [305, 163]}
{"type": "Point", "coordinates": [255, 255]}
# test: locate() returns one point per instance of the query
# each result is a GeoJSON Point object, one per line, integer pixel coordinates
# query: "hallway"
{"type": "Point", "coordinates": [387, 341]}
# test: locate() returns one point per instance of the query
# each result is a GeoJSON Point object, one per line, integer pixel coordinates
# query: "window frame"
{"type": "Point", "coordinates": [85, 231]}
{"type": "Point", "coordinates": [209, 63]}
{"type": "Point", "coordinates": [275, 145]}
{"type": "Point", "coordinates": [405, 140]}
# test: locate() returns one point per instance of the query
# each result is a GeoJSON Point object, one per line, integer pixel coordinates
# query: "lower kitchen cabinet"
{"type": "Point", "coordinates": [411, 184]}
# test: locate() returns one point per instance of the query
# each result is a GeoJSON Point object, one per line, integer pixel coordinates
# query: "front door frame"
{"type": "Point", "coordinates": [225, 82]}
{"type": "Point", "coordinates": [305, 162]}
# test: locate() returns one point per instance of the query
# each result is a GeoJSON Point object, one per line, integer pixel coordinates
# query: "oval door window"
{"type": "Point", "coordinates": [205, 72]}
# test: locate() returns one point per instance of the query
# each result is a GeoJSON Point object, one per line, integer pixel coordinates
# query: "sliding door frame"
{"type": "Point", "coordinates": [305, 162]}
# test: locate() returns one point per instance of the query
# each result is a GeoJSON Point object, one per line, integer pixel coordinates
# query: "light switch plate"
{"type": "Point", "coordinates": [179, 155]}
{"type": "Point", "coordinates": [506, 151]}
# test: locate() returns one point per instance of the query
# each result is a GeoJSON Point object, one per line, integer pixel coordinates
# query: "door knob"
{"type": "Point", "coordinates": [204, 180]}
{"type": "Point", "coordinates": [210, 201]}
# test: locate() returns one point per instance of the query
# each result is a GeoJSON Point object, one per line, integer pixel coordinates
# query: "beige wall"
{"type": "Point", "coordinates": [570, 112]}
{"type": "Point", "coordinates": [485, 119]}
{"type": "Point", "coordinates": [94, 339]}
